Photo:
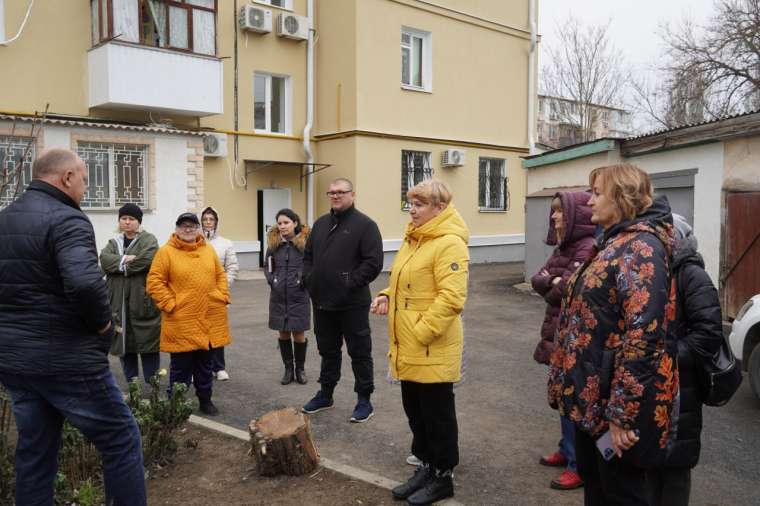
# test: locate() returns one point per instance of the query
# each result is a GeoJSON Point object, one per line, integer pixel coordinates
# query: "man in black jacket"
{"type": "Point", "coordinates": [699, 333]}
{"type": "Point", "coordinates": [343, 255]}
{"type": "Point", "coordinates": [55, 331]}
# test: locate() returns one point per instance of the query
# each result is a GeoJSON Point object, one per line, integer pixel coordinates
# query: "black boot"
{"type": "Point", "coordinates": [440, 486]}
{"type": "Point", "coordinates": [418, 480]}
{"type": "Point", "coordinates": [299, 352]}
{"type": "Point", "coordinates": [286, 350]}
{"type": "Point", "coordinates": [206, 406]}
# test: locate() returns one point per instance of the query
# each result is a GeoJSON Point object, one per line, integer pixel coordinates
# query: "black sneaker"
{"type": "Point", "coordinates": [318, 403]}
{"type": "Point", "coordinates": [207, 408]}
{"type": "Point", "coordinates": [440, 486]}
{"type": "Point", "coordinates": [418, 480]}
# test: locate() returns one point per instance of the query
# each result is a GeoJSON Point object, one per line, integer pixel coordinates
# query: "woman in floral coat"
{"type": "Point", "coordinates": [613, 369]}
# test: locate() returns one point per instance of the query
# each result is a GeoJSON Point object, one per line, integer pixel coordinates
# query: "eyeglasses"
{"type": "Point", "coordinates": [191, 226]}
{"type": "Point", "coordinates": [337, 193]}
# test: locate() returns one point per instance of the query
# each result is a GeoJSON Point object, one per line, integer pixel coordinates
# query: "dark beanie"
{"type": "Point", "coordinates": [131, 210]}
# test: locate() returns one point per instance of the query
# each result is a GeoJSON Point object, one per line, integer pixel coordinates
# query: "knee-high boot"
{"type": "Point", "coordinates": [286, 351]}
{"type": "Point", "coordinates": [300, 356]}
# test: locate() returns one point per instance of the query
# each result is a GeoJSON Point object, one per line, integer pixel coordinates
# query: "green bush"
{"type": "Point", "coordinates": [80, 476]}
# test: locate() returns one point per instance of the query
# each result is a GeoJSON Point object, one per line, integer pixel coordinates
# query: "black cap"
{"type": "Point", "coordinates": [187, 217]}
{"type": "Point", "coordinates": [131, 210]}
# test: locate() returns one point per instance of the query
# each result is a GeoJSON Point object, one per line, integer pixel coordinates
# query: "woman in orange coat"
{"type": "Point", "coordinates": [189, 286]}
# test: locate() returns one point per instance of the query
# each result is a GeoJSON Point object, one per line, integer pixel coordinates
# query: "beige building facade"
{"type": "Point", "coordinates": [238, 105]}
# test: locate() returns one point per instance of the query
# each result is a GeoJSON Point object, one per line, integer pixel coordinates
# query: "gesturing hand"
{"type": "Point", "coordinates": [379, 305]}
{"type": "Point", "coordinates": [128, 258]}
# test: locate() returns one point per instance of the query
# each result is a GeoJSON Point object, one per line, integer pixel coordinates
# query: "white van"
{"type": "Point", "coordinates": [745, 338]}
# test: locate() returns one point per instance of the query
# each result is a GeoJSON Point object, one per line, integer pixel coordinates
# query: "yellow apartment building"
{"type": "Point", "coordinates": [250, 106]}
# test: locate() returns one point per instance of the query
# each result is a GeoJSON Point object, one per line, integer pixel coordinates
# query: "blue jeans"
{"type": "Point", "coordinates": [567, 443]}
{"type": "Point", "coordinates": [150, 364]}
{"type": "Point", "coordinates": [93, 404]}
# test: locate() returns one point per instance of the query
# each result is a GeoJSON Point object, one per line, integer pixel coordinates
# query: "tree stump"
{"type": "Point", "coordinates": [281, 443]}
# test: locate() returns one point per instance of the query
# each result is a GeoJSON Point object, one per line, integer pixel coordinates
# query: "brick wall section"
{"type": "Point", "coordinates": [195, 175]}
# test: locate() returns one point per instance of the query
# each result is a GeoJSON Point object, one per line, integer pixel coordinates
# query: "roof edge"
{"type": "Point", "coordinates": [570, 153]}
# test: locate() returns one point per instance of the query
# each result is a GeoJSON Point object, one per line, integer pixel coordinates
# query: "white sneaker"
{"type": "Point", "coordinates": [412, 460]}
{"type": "Point", "coordinates": [222, 375]}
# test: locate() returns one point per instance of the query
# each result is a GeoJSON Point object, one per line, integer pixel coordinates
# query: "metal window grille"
{"type": "Point", "coordinates": [415, 168]}
{"type": "Point", "coordinates": [117, 174]}
{"type": "Point", "coordinates": [492, 184]}
{"type": "Point", "coordinates": [11, 151]}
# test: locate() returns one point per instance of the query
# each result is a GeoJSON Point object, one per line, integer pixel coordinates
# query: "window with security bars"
{"type": "Point", "coordinates": [415, 168]}
{"type": "Point", "coordinates": [492, 184]}
{"type": "Point", "coordinates": [13, 182]}
{"type": "Point", "coordinates": [117, 174]}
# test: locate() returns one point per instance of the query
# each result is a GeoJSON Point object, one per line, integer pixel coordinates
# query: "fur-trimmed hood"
{"type": "Point", "coordinates": [274, 239]}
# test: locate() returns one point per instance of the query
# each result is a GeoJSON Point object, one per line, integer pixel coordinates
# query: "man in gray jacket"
{"type": "Point", "coordinates": [55, 331]}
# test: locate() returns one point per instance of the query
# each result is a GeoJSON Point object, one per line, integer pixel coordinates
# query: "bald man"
{"type": "Point", "coordinates": [55, 332]}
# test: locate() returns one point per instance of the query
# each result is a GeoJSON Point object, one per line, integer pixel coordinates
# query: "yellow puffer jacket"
{"type": "Point", "coordinates": [428, 288]}
{"type": "Point", "coordinates": [189, 286]}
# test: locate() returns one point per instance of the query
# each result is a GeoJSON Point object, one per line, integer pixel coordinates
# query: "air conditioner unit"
{"type": "Point", "coordinates": [255, 19]}
{"type": "Point", "coordinates": [292, 26]}
{"type": "Point", "coordinates": [452, 158]}
{"type": "Point", "coordinates": [214, 145]}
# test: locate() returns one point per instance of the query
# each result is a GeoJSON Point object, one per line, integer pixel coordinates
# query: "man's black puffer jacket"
{"type": "Point", "coordinates": [53, 298]}
{"type": "Point", "coordinates": [699, 333]}
{"type": "Point", "coordinates": [343, 255]}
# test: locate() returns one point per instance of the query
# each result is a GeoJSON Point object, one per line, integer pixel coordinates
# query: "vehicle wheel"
{"type": "Point", "coordinates": [753, 370]}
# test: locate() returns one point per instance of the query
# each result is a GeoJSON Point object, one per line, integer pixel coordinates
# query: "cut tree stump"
{"type": "Point", "coordinates": [281, 443]}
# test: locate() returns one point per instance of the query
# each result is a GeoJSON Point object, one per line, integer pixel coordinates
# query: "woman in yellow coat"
{"type": "Point", "coordinates": [428, 288]}
{"type": "Point", "coordinates": [189, 286]}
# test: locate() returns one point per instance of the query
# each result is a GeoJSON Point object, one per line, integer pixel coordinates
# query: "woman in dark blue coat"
{"type": "Point", "coordinates": [289, 311]}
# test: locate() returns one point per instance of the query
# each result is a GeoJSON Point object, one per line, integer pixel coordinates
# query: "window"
{"type": "Point", "coordinates": [271, 103]}
{"type": "Point", "coordinates": [415, 168]}
{"type": "Point", "coordinates": [12, 150]}
{"type": "Point", "coordinates": [282, 4]}
{"type": "Point", "coordinates": [187, 25]}
{"type": "Point", "coordinates": [416, 60]}
{"type": "Point", "coordinates": [117, 174]}
{"type": "Point", "coordinates": [492, 185]}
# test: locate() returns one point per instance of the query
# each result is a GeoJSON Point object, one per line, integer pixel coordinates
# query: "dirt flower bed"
{"type": "Point", "coordinates": [210, 468]}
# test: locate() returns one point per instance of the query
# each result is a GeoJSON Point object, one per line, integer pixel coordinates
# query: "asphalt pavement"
{"type": "Point", "coordinates": [505, 424]}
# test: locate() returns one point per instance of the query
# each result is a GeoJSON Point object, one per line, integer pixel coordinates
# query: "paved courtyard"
{"type": "Point", "coordinates": [504, 421]}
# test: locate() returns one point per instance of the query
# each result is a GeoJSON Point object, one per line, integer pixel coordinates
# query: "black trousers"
{"type": "Point", "coordinates": [192, 367]}
{"type": "Point", "coordinates": [432, 417]}
{"type": "Point", "coordinates": [608, 482]}
{"type": "Point", "coordinates": [331, 328]}
{"type": "Point", "coordinates": [669, 486]}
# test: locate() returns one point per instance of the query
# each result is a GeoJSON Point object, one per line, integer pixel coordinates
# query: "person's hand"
{"type": "Point", "coordinates": [104, 329]}
{"type": "Point", "coordinates": [543, 272]}
{"type": "Point", "coordinates": [622, 439]}
{"type": "Point", "coordinates": [556, 280]}
{"type": "Point", "coordinates": [128, 258]}
{"type": "Point", "coordinates": [379, 305]}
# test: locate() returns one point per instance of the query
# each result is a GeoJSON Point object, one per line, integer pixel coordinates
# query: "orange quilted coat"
{"type": "Point", "coordinates": [189, 286]}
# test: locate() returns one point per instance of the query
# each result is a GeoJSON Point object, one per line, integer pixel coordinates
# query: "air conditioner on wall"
{"type": "Point", "coordinates": [214, 145]}
{"type": "Point", "coordinates": [452, 158]}
{"type": "Point", "coordinates": [292, 26]}
{"type": "Point", "coordinates": [255, 19]}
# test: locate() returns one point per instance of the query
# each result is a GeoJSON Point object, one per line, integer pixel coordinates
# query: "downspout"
{"type": "Point", "coordinates": [309, 115]}
{"type": "Point", "coordinates": [532, 77]}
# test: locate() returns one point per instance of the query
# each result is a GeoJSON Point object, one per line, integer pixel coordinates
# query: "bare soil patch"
{"type": "Point", "coordinates": [211, 468]}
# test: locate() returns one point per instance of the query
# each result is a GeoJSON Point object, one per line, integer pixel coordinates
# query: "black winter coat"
{"type": "Point", "coordinates": [699, 333]}
{"type": "Point", "coordinates": [343, 255]}
{"type": "Point", "coordinates": [53, 298]}
{"type": "Point", "coordinates": [283, 267]}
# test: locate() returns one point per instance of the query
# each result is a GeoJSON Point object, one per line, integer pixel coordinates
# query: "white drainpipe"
{"type": "Point", "coordinates": [309, 114]}
{"type": "Point", "coordinates": [531, 77]}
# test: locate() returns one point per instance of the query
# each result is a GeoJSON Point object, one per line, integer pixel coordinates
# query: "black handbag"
{"type": "Point", "coordinates": [720, 377]}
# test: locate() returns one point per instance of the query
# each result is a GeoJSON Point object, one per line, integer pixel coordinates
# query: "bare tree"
{"type": "Point", "coordinates": [585, 69]}
{"type": "Point", "coordinates": [723, 57]}
{"type": "Point", "coordinates": [12, 167]}
{"type": "Point", "coordinates": [673, 100]}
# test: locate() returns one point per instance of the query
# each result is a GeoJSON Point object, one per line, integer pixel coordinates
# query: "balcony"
{"type": "Point", "coordinates": [123, 75]}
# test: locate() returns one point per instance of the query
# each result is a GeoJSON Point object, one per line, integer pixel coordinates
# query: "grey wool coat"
{"type": "Point", "coordinates": [136, 318]}
{"type": "Point", "coordinates": [289, 307]}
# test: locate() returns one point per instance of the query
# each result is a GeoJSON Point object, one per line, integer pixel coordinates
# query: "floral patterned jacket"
{"type": "Point", "coordinates": [612, 362]}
